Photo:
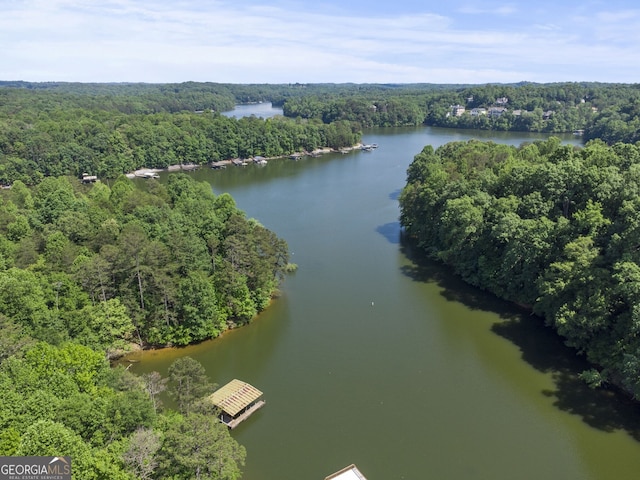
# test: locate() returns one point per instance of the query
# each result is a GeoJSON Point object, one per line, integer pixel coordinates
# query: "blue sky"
{"type": "Point", "coordinates": [283, 41]}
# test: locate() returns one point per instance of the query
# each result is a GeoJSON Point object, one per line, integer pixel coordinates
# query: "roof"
{"type": "Point", "coordinates": [347, 473]}
{"type": "Point", "coordinates": [234, 396]}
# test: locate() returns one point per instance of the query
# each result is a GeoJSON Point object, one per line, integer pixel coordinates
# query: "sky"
{"type": "Point", "coordinates": [319, 41]}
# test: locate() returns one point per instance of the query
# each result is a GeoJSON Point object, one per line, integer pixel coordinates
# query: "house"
{"type": "Point", "coordinates": [502, 101]}
{"type": "Point", "coordinates": [457, 110]}
{"type": "Point", "coordinates": [496, 111]}
{"type": "Point", "coordinates": [86, 178]}
{"type": "Point", "coordinates": [547, 115]}
{"type": "Point", "coordinates": [478, 111]}
{"type": "Point", "coordinates": [237, 401]}
{"type": "Point", "coordinates": [347, 473]}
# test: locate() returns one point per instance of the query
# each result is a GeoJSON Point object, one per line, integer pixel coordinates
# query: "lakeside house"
{"type": "Point", "coordinates": [496, 111]}
{"type": "Point", "coordinates": [457, 110]}
{"type": "Point", "coordinates": [237, 401]}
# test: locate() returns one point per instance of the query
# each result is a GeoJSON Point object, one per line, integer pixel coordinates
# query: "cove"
{"type": "Point", "coordinates": [374, 356]}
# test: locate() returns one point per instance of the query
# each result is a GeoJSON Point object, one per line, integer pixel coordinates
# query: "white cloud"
{"type": "Point", "coordinates": [502, 10]}
{"type": "Point", "coordinates": [126, 40]}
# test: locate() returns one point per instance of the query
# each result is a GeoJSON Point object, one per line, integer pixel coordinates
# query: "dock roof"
{"type": "Point", "coordinates": [234, 396]}
{"type": "Point", "coordinates": [347, 473]}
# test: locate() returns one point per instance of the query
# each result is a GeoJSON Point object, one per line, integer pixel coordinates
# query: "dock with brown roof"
{"type": "Point", "coordinates": [237, 401]}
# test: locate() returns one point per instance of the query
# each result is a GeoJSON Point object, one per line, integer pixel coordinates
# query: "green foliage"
{"type": "Point", "coordinates": [46, 437]}
{"type": "Point", "coordinates": [67, 401]}
{"type": "Point", "coordinates": [103, 135]}
{"type": "Point", "coordinates": [544, 225]}
{"type": "Point", "coordinates": [188, 383]}
{"type": "Point", "coordinates": [79, 364]}
{"type": "Point", "coordinates": [51, 130]}
{"type": "Point", "coordinates": [54, 401]}
{"type": "Point", "coordinates": [171, 265]}
{"type": "Point", "coordinates": [607, 111]}
{"type": "Point", "coordinates": [199, 446]}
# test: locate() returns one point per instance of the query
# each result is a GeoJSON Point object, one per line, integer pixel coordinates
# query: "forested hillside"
{"type": "Point", "coordinates": [52, 129]}
{"type": "Point", "coordinates": [52, 132]}
{"type": "Point", "coordinates": [86, 271]}
{"type": "Point", "coordinates": [607, 111]}
{"type": "Point", "coordinates": [547, 225]}
{"type": "Point", "coordinates": [89, 270]}
{"type": "Point", "coordinates": [105, 266]}
{"type": "Point", "coordinates": [68, 399]}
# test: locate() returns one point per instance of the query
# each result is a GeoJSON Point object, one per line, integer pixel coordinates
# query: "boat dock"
{"type": "Point", "coordinates": [237, 401]}
{"type": "Point", "coordinates": [347, 473]}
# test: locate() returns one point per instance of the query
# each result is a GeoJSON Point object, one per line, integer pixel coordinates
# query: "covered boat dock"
{"type": "Point", "coordinates": [237, 400]}
{"type": "Point", "coordinates": [347, 473]}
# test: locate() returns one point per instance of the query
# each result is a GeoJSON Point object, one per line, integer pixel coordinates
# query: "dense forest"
{"type": "Point", "coordinates": [172, 264]}
{"type": "Point", "coordinates": [52, 129]}
{"type": "Point", "coordinates": [52, 132]}
{"type": "Point", "coordinates": [606, 111]}
{"type": "Point", "coordinates": [68, 399]}
{"type": "Point", "coordinates": [88, 270]}
{"type": "Point", "coordinates": [551, 226]}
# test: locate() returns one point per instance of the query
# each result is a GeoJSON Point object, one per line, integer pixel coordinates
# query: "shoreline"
{"type": "Point", "coordinates": [188, 167]}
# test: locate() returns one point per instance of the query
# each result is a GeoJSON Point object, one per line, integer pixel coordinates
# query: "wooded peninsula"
{"type": "Point", "coordinates": [89, 269]}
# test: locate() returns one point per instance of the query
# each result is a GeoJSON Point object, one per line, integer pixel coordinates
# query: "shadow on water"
{"type": "Point", "coordinates": [606, 409]}
{"type": "Point", "coordinates": [395, 195]}
{"type": "Point", "coordinates": [390, 231]}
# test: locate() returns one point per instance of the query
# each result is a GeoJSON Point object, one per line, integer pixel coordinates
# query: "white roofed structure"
{"type": "Point", "coordinates": [347, 473]}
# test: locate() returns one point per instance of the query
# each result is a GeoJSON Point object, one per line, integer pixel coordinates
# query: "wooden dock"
{"type": "Point", "coordinates": [237, 400]}
{"type": "Point", "coordinates": [247, 413]}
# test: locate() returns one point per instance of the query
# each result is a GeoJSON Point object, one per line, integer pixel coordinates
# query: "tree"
{"type": "Point", "coordinates": [199, 446]}
{"type": "Point", "coordinates": [140, 457]}
{"type": "Point", "coordinates": [105, 326]}
{"type": "Point", "coordinates": [188, 383]}
{"type": "Point", "coordinates": [46, 437]}
{"type": "Point", "coordinates": [13, 338]}
{"type": "Point", "coordinates": [197, 308]}
{"type": "Point", "coordinates": [154, 385]}
{"type": "Point", "coordinates": [80, 364]}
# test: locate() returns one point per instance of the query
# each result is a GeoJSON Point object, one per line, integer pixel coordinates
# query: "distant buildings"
{"type": "Point", "coordinates": [496, 111]}
{"type": "Point", "coordinates": [457, 110]}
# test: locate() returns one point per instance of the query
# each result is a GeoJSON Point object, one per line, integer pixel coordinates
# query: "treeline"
{"type": "Point", "coordinates": [552, 226]}
{"type": "Point", "coordinates": [107, 266]}
{"type": "Point", "coordinates": [53, 129]}
{"type": "Point", "coordinates": [366, 112]}
{"type": "Point", "coordinates": [73, 142]}
{"type": "Point", "coordinates": [607, 111]}
{"type": "Point", "coordinates": [50, 133]}
{"type": "Point", "coordinates": [128, 98]}
{"type": "Point", "coordinates": [619, 123]}
{"type": "Point", "coordinates": [67, 400]}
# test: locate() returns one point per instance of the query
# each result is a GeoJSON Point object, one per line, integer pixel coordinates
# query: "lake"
{"type": "Point", "coordinates": [374, 356]}
{"type": "Point", "coordinates": [264, 110]}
